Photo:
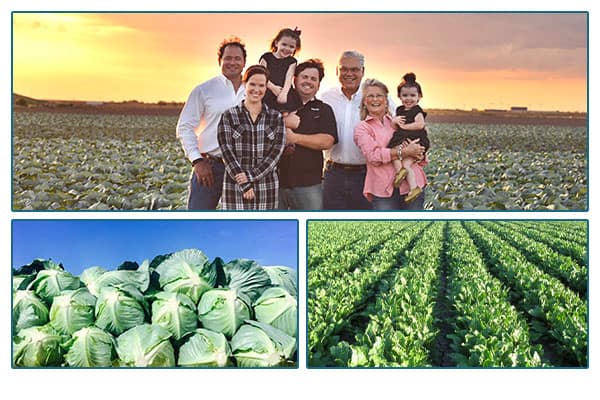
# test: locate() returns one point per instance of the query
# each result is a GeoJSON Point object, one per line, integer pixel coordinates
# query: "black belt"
{"type": "Point", "coordinates": [348, 167]}
{"type": "Point", "coordinates": [212, 158]}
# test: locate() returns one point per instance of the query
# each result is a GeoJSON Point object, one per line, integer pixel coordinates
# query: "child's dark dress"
{"type": "Point", "coordinates": [278, 68]}
{"type": "Point", "coordinates": [402, 135]}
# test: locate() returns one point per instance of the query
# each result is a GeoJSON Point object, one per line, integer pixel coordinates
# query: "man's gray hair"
{"type": "Point", "coordinates": [354, 54]}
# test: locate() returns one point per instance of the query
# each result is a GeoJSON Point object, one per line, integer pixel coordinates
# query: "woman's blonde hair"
{"type": "Point", "coordinates": [372, 83]}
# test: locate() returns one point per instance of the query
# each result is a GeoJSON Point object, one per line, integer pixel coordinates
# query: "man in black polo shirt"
{"type": "Point", "coordinates": [311, 130]}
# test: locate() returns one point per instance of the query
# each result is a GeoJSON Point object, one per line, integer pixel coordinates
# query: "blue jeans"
{"type": "Point", "coordinates": [301, 198]}
{"type": "Point", "coordinates": [396, 202]}
{"type": "Point", "coordinates": [206, 198]}
{"type": "Point", "coordinates": [343, 189]}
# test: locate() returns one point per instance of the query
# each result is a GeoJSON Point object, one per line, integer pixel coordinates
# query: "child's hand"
{"type": "Point", "coordinates": [276, 89]}
{"type": "Point", "coordinates": [282, 97]}
{"type": "Point", "coordinates": [399, 121]}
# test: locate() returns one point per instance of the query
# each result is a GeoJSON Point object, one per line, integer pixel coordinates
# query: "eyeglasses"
{"type": "Point", "coordinates": [375, 96]}
{"type": "Point", "coordinates": [354, 70]}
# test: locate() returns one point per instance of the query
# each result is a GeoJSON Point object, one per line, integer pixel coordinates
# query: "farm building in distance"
{"type": "Point", "coordinates": [518, 109]}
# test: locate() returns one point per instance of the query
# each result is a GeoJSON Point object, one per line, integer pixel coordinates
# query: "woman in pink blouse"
{"type": "Point", "coordinates": [372, 135]}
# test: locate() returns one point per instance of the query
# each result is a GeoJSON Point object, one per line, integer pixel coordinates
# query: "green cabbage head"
{"type": "Point", "coordinates": [91, 347]}
{"type": "Point", "coordinates": [72, 310]}
{"type": "Point", "coordinates": [278, 308]}
{"type": "Point", "coordinates": [187, 272]}
{"type": "Point", "coordinates": [28, 310]}
{"type": "Point", "coordinates": [260, 345]}
{"type": "Point", "coordinates": [221, 310]}
{"type": "Point", "coordinates": [176, 312]}
{"type": "Point", "coordinates": [146, 346]}
{"type": "Point", "coordinates": [119, 309]}
{"type": "Point", "coordinates": [205, 348]}
{"type": "Point", "coordinates": [38, 346]}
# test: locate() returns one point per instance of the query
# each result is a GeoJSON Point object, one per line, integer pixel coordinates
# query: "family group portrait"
{"type": "Point", "coordinates": [300, 111]}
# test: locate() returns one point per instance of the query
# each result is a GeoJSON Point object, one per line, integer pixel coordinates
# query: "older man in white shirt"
{"type": "Point", "coordinates": [197, 126]}
{"type": "Point", "coordinates": [345, 164]}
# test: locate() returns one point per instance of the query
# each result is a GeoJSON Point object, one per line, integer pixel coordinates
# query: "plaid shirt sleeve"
{"type": "Point", "coordinates": [271, 158]}
{"type": "Point", "coordinates": [224, 136]}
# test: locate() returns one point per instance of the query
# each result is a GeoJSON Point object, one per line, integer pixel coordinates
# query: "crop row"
{"type": "Point", "coordinates": [488, 330]}
{"type": "Point", "coordinates": [565, 246]}
{"type": "Point", "coordinates": [401, 327]}
{"type": "Point", "coordinates": [464, 294]}
{"type": "Point", "coordinates": [348, 261]}
{"type": "Point", "coordinates": [331, 306]}
{"type": "Point", "coordinates": [333, 235]}
{"type": "Point", "coordinates": [557, 265]}
{"type": "Point", "coordinates": [562, 314]}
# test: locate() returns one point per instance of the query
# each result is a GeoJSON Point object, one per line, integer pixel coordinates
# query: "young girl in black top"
{"type": "Point", "coordinates": [281, 64]}
{"type": "Point", "coordinates": [410, 119]}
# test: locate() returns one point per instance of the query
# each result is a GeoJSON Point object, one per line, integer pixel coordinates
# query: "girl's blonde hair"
{"type": "Point", "coordinates": [367, 84]}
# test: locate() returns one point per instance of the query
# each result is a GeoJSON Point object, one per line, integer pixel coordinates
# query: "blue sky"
{"type": "Point", "coordinates": [79, 244]}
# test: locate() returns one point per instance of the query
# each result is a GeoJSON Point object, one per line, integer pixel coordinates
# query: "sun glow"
{"type": "Point", "coordinates": [154, 57]}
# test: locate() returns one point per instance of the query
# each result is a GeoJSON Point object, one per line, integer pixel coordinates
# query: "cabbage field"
{"type": "Point", "coordinates": [448, 294]}
{"type": "Point", "coordinates": [180, 309]}
{"type": "Point", "coordinates": [134, 162]}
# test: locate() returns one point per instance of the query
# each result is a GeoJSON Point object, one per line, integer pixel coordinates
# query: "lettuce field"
{"type": "Point", "coordinates": [134, 162]}
{"type": "Point", "coordinates": [448, 294]}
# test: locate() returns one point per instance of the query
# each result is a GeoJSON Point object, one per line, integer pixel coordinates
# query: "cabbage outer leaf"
{"type": "Point", "coordinates": [205, 348]}
{"type": "Point", "coordinates": [187, 272]}
{"type": "Point", "coordinates": [91, 347]}
{"type": "Point", "coordinates": [176, 312]}
{"type": "Point", "coordinates": [72, 310]}
{"type": "Point", "coordinates": [221, 310]}
{"type": "Point", "coordinates": [28, 310]}
{"type": "Point", "coordinates": [146, 346]}
{"type": "Point", "coordinates": [278, 308]}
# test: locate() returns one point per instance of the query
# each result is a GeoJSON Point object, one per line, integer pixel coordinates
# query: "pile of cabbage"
{"type": "Point", "coordinates": [177, 310]}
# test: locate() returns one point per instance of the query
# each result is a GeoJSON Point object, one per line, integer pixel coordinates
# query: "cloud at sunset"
{"type": "Point", "coordinates": [157, 56]}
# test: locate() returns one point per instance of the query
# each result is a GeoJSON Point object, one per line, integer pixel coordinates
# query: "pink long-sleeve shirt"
{"type": "Point", "coordinates": [372, 137]}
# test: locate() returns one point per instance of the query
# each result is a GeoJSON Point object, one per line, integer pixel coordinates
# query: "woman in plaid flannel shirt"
{"type": "Point", "coordinates": [252, 138]}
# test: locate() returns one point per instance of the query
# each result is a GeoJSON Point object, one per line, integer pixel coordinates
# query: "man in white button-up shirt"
{"type": "Point", "coordinates": [197, 126]}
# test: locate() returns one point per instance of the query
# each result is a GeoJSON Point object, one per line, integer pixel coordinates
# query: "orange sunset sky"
{"type": "Point", "coordinates": [463, 60]}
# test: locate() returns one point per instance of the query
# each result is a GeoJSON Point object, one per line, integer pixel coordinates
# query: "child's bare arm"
{"type": "Point", "coordinates": [289, 75]}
